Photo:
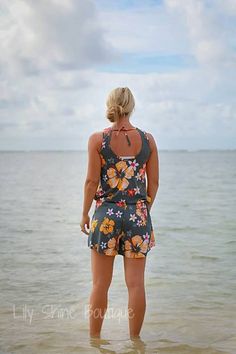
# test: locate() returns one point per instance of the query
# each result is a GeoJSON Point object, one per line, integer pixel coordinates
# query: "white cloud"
{"type": "Point", "coordinates": [50, 88]}
{"type": "Point", "coordinates": [144, 30]}
{"type": "Point", "coordinates": [207, 29]}
{"type": "Point", "coordinates": [40, 35]}
{"type": "Point", "coordinates": [227, 6]}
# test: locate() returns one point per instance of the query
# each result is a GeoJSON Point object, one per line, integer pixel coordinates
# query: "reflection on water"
{"type": "Point", "coordinates": [105, 346]}
{"type": "Point", "coordinates": [140, 347]}
{"type": "Point", "coordinates": [45, 277]}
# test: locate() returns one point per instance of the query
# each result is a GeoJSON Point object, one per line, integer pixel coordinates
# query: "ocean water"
{"type": "Point", "coordinates": [45, 274]}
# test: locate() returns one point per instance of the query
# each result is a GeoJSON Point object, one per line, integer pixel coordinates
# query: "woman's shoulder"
{"type": "Point", "coordinates": [150, 138]}
{"type": "Point", "coordinates": [99, 134]}
{"type": "Point", "coordinates": [148, 135]}
{"type": "Point", "coordinates": [96, 138]}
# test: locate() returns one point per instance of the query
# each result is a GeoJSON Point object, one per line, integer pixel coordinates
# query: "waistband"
{"type": "Point", "coordinates": [112, 202]}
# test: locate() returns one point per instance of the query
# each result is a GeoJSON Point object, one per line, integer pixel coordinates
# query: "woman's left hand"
{"type": "Point", "coordinates": [85, 221]}
{"type": "Point", "coordinates": [152, 241]}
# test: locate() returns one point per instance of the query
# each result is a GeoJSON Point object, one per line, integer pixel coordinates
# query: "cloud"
{"type": "Point", "coordinates": [144, 30]}
{"type": "Point", "coordinates": [45, 35]}
{"type": "Point", "coordinates": [60, 59]}
{"type": "Point", "coordinates": [47, 50]}
{"type": "Point", "coordinates": [207, 29]}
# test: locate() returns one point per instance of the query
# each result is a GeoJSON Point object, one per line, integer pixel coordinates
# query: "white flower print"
{"type": "Point", "coordinates": [134, 164]}
{"type": "Point", "coordinates": [119, 213]}
{"type": "Point", "coordinates": [105, 178]}
{"type": "Point", "coordinates": [137, 190]}
{"type": "Point", "coordinates": [110, 211]}
{"type": "Point", "coordinates": [133, 217]}
{"type": "Point", "coordinates": [103, 144]}
{"type": "Point", "coordinates": [138, 176]}
{"type": "Point", "coordinates": [139, 223]}
{"type": "Point", "coordinates": [146, 237]}
{"type": "Point", "coordinates": [103, 245]}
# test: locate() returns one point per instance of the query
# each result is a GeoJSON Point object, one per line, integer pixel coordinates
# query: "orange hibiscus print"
{"type": "Point", "coordinates": [135, 247]}
{"type": "Point", "coordinates": [94, 224]}
{"type": "Point", "coordinates": [96, 247]}
{"type": "Point", "coordinates": [118, 176]}
{"type": "Point", "coordinates": [107, 225]}
{"type": "Point", "coordinates": [111, 250]}
{"type": "Point", "coordinates": [141, 210]}
{"type": "Point", "coordinates": [103, 161]}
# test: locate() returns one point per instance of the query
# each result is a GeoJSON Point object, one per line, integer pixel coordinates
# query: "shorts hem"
{"type": "Point", "coordinates": [101, 252]}
{"type": "Point", "coordinates": [98, 250]}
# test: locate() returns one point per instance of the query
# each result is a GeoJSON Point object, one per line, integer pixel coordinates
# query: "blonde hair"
{"type": "Point", "coordinates": [120, 101]}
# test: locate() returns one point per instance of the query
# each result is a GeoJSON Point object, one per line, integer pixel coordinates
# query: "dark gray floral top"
{"type": "Point", "coordinates": [122, 179]}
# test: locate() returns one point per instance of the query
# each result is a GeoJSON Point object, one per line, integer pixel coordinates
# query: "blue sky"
{"type": "Point", "coordinates": [60, 59]}
{"type": "Point", "coordinates": [139, 63]}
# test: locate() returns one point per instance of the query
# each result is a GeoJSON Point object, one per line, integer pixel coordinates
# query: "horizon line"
{"type": "Point", "coordinates": [75, 150]}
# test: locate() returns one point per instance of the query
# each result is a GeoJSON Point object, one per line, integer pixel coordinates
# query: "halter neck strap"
{"type": "Point", "coordinates": [122, 128]}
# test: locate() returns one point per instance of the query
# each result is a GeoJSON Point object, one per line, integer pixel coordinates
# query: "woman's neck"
{"type": "Point", "coordinates": [122, 123]}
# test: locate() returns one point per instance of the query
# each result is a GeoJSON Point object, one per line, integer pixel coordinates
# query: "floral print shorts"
{"type": "Point", "coordinates": [120, 228]}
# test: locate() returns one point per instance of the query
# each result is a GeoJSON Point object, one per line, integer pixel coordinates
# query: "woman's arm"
{"type": "Point", "coordinates": [92, 178]}
{"type": "Point", "coordinates": [152, 171]}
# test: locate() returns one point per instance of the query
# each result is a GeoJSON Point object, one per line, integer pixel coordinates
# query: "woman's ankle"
{"type": "Point", "coordinates": [134, 336]}
{"type": "Point", "coordinates": [95, 335]}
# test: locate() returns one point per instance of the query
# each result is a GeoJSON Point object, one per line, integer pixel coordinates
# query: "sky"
{"type": "Point", "coordinates": [59, 60]}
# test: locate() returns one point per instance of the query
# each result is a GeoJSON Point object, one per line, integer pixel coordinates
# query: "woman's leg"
{"type": "Point", "coordinates": [134, 278]}
{"type": "Point", "coordinates": [102, 269]}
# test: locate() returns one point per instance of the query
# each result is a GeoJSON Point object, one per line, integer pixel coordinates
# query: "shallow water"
{"type": "Point", "coordinates": [45, 277]}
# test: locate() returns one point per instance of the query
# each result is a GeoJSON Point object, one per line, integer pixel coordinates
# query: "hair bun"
{"type": "Point", "coordinates": [120, 102]}
{"type": "Point", "coordinates": [114, 111]}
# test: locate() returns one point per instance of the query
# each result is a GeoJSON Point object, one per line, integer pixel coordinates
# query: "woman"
{"type": "Point", "coordinates": [121, 223]}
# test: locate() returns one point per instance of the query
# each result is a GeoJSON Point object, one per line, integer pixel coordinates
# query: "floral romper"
{"type": "Point", "coordinates": [121, 223]}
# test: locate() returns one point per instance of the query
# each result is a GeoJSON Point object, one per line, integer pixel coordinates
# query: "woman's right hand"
{"type": "Point", "coordinates": [85, 221]}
